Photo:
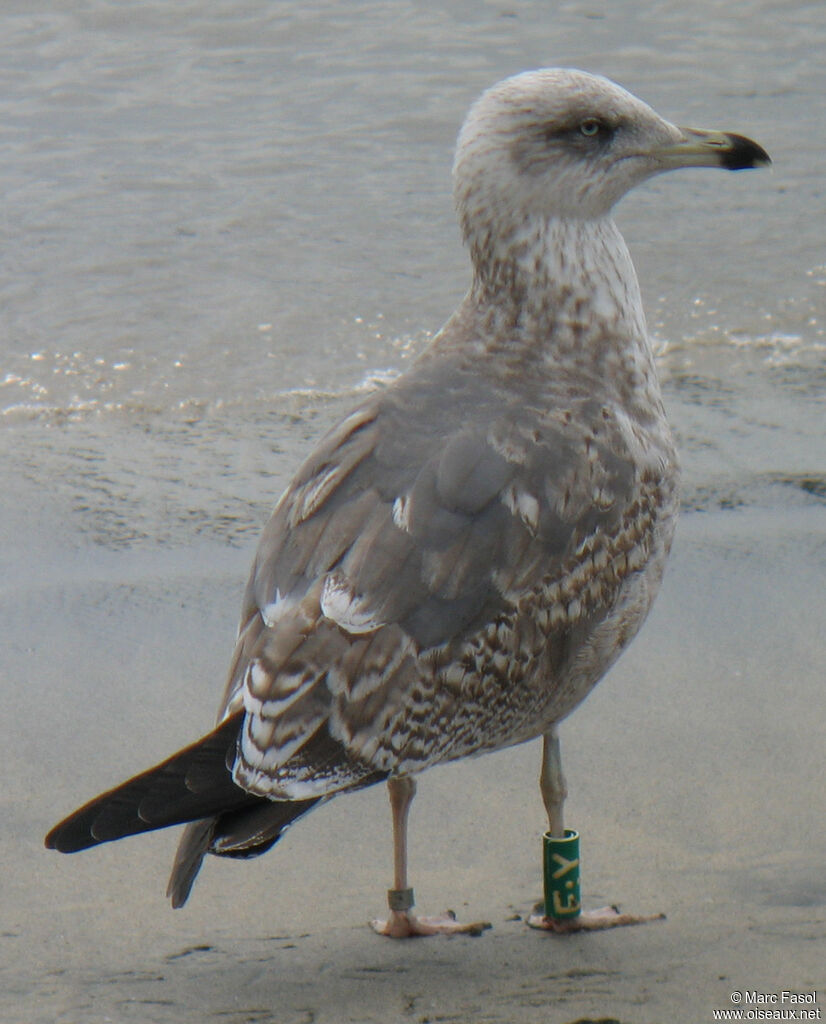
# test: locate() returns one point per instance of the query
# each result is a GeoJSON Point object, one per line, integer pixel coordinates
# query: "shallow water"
{"type": "Point", "coordinates": [222, 220]}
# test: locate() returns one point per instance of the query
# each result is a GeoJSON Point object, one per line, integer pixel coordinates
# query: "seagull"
{"type": "Point", "coordinates": [459, 561]}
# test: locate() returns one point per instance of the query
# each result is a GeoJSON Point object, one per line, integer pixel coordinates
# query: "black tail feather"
{"type": "Point", "coordinates": [192, 784]}
{"type": "Point", "coordinates": [243, 832]}
{"type": "Point", "coordinates": [193, 846]}
{"type": "Point", "coordinates": [195, 787]}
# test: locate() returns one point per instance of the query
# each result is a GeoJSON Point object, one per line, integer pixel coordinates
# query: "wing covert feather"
{"type": "Point", "coordinates": [413, 526]}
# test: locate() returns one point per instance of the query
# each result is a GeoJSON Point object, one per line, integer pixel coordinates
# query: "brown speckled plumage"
{"type": "Point", "coordinates": [462, 558]}
{"type": "Point", "coordinates": [458, 600]}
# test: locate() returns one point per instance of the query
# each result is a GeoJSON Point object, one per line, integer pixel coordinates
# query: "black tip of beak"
{"type": "Point", "coordinates": [743, 154]}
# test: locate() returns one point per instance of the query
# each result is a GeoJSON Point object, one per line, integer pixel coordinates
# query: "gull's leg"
{"type": "Point", "coordinates": [402, 923]}
{"type": "Point", "coordinates": [554, 791]}
{"type": "Point", "coordinates": [552, 783]}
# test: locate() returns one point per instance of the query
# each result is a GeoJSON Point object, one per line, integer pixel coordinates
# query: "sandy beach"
{"type": "Point", "coordinates": [694, 773]}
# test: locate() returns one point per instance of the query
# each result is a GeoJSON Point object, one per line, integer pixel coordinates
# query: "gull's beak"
{"type": "Point", "coordinates": [700, 148]}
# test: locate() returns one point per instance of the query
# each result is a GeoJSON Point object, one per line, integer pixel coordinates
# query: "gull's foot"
{"type": "Point", "coordinates": [588, 920]}
{"type": "Point", "coordinates": [403, 925]}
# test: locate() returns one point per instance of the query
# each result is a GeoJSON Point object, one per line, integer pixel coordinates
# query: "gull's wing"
{"type": "Point", "coordinates": [424, 516]}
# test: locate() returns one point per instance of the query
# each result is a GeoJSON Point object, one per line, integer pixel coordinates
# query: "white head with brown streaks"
{"type": "Point", "coordinates": [561, 144]}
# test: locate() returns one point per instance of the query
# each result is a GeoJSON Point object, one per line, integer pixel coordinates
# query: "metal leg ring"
{"type": "Point", "coordinates": [400, 899]}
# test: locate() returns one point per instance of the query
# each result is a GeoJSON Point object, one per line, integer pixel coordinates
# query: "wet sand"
{"type": "Point", "coordinates": [695, 774]}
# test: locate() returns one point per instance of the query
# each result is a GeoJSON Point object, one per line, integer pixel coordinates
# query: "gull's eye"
{"type": "Point", "coordinates": [590, 127]}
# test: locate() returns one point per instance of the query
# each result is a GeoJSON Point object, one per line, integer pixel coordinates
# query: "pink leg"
{"type": "Point", "coordinates": [402, 923]}
{"type": "Point", "coordinates": [554, 790]}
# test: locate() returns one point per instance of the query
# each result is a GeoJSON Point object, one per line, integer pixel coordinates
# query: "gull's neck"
{"type": "Point", "coordinates": [558, 295]}
{"type": "Point", "coordinates": [574, 277]}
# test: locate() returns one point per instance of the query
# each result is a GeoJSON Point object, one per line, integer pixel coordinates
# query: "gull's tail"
{"type": "Point", "coordinates": [195, 785]}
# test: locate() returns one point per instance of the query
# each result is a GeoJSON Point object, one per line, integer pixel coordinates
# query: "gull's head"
{"type": "Point", "coordinates": [561, 143]}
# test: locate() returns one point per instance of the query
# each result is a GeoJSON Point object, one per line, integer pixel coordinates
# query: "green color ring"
{"type": "Point", "coordinates": [560, 860]}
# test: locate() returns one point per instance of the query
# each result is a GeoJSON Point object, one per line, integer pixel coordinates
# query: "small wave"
{"type": "Point", "coordinates": [290, 400]}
